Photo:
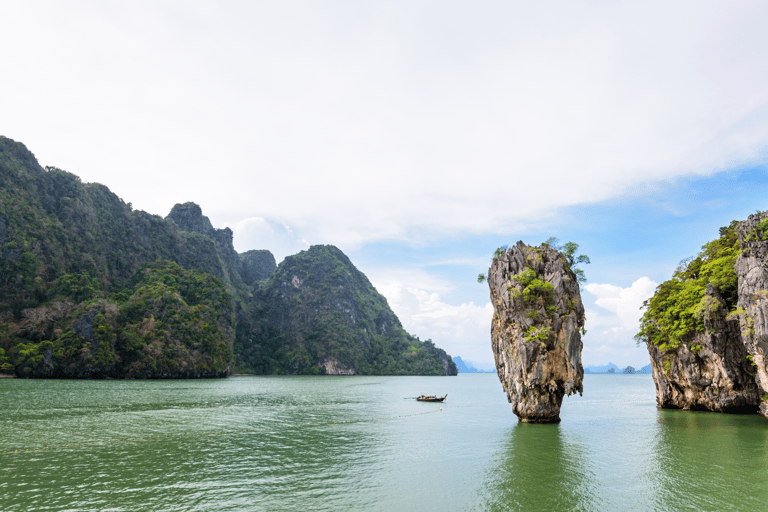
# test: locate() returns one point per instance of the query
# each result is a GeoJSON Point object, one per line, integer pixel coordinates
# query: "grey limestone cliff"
{"type": "Point", "coordinates": [711, 371]}
{"type": "Point", "coordinates": [752, 270]}
{"type": "Point", "coordinates": [535, 332]}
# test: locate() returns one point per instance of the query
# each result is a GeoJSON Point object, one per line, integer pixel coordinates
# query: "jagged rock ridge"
{"type": "Point", "coordinates": [90, 288]}
{"type": "Point", "coordinates": [535, 332]}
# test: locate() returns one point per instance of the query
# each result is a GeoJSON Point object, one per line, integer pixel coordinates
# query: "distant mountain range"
{"type": "Point", "coordinates": [612, 368]}
{"type": "Point", "coordinates": [469, 366]}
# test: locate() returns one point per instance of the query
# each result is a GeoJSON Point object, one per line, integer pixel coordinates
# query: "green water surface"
{"type": "Point", "coordinates": [356, 443]}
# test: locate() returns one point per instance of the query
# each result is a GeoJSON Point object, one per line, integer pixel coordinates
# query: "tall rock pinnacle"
{"type": "Point", "coordinates": [535, 332]}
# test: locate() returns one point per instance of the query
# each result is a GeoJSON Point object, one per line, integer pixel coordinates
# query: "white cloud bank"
{"type": "Point", "coordinates": [358, 121]}
{"type": "Point", "coordinates": [610, 337]}
{"type": "Point", "coordinates": [258, 233]}
{"type": "Point", "coordinates": [463, 330]}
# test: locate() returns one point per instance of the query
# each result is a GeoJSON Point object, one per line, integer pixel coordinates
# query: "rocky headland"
{"type": "Point", "coordinates": [536, 330]}
{"type": "Point", "coordinates": [705, 329]}
{"type": "Point", "coordinates": [91, 288]}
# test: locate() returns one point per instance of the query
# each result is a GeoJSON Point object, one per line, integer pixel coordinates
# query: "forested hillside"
{"type": "Point", "coordinates": [91, 288]}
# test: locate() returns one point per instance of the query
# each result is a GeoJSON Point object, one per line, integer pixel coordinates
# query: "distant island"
{"type": "Point", "coordinates": [91, 288]}
{"type": "Point", "coordinates": [469, 367]}
{"type": "Point", "coordinates": [612, 368]}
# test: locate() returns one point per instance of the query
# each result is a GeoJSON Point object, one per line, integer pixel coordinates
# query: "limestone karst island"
{"type": "Point", "coordinates": [91, 288]}
{"type": "Point", "coordinates": [535, 331]}
{"type": "Point", "coordinates": [706, 329]}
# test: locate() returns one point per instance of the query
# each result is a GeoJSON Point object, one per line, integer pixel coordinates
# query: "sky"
{"type": "Point", "coordinates": [415, 136]}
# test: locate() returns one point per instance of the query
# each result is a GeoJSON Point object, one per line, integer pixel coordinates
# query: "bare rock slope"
{"type": "Point", "coordinates": [752, 270]}
{"type": "Point", "coordinates": [535, 333]}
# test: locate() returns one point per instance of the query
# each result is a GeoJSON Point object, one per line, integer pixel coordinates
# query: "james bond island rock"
{"type": "Point", "coordinates": [752, 270]}
{"type": "Point", "coordinates": [536, 330]}
{"type": "Point", "coordinates": [695, 331]}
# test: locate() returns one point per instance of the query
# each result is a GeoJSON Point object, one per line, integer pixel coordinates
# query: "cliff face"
{"type": "Point", "coordinates": [752, 270]}
{"type": "Point", "coordinates": [710, 371]}
{"type": "Point", "coordinates": [701, 326]}
{"type": "Point", "coordinates": [535, 332]}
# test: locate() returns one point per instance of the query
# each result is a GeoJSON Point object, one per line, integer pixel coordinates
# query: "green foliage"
{"type": "Point", "coordinates": [539, 334]}
{"type": "Point", "coordinates": [74, 253]}
{"type": "Point", "coordinates": [532, 290]}
{"type": "Point", "coordinates": [760, 232]}
{"type": "Point", "coordinates": [569, 251]}
{"type": "Point", "coordinates": [327, 310]}
{"type": "Point", "coordinates": [480, 278]}
{"type": "Point", "coordinates": [679, 306]}
{"type": "Point", "coordinates": [76, 287]}
{"type": "Point", "coordinates": [174, 322]}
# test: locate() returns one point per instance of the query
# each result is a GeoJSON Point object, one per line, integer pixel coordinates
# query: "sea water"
{"type": "Point", "coordinates": [364, 443]}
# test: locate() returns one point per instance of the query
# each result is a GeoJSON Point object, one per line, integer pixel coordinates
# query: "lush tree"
{"type": "Point", "coordinates": [569, 251]}
{"type": "Point", "coordinates": [678, 307]}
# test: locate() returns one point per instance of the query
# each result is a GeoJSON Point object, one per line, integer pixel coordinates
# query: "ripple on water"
{"type": "Point", "coordinates": [613, 449]}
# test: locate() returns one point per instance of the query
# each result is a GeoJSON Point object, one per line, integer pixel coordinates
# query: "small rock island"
{"type": "Point", "coordinates": [536, 329]}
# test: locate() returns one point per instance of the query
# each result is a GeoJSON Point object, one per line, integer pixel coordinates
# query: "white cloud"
{"type": "Point", "coordinates": [258, 233]}
{"type": "Point", "coordinates": [356, 121]}
{"type": "Point", "coordinates": [464, 329]}
{"type": "Point", "coordinates": [461, 330]}
{"type": "Point", "coordinates": [610, 337]}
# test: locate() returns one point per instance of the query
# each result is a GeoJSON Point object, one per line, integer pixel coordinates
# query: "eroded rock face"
{"type": "Point", "coordinates": [535, 332]}
{"type": "Point", "coordinates": [752, 270]}
{"type": "Point", "coordinates": [711, 372]}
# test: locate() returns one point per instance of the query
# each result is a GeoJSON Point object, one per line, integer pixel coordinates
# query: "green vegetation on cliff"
{"type": "Point", "coordinates": [90, 288]}
{"type": "Point", "coordinates": [568, 250]}
{"type": "Point", "coordinates": [168, 322]}
{"type": "Point", "coordinates": [71, 255]}
{"type": "Point", "coordinates": [678, 308]}
{"type": "Point", "coordinates": [330, 316]}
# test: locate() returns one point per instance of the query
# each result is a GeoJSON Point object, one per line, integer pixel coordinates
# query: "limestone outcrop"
{"type": "Point", "coordinates": [706, 328]}
{"type": "Point", "coordinates": [536, 330]}
{"type": "Point", "coordinates": [752, 270]}
{"type": "Point", "coordinates": [711, 371]}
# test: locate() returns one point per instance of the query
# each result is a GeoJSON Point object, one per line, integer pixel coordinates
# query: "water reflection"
{"type": "Point", "coordinates": [707, 461]}
{"type": "Point", "coordinates": [540, 468]}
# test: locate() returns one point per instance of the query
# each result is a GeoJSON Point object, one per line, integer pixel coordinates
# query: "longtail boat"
{"type": "Point", "coordinates": [432, 398]}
